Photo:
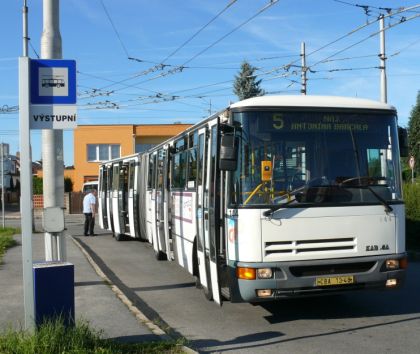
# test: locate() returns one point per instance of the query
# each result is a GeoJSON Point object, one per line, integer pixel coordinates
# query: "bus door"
{"type": "Point", "coordinates": [123, 198]}
{"type": "Point", "coordinates": [211, 211]}
{"type": "Point", "coordinates": [114, 198]}
{"type": "Point", "coordinates": [162, 246]}
{"type": "Point", "coordinates": [166, 204]}
{"type": "Point", "coordinates": [132, 207]}
{"type": "Point", "coordinates": [203, 266]}
{"type": "Point", "coordinates": [151, 206]}
{"type": "Point", "coordinates": [108, 196]}
{"type": "Point", "coordinates": [102, 195]}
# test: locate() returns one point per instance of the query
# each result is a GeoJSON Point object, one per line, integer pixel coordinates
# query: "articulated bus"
{"type": "Point", "coordinates": [273, 197]}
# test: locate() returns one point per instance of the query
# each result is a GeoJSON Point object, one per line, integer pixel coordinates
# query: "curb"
{"type": "Point", "coordinates": [140, 316]}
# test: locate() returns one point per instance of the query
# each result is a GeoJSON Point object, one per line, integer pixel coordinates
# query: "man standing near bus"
{"type": "Point", "coordinates": [89, 209]}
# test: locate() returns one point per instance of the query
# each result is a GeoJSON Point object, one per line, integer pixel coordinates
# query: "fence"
{"type": "Point", "coordinates": [73, 202]}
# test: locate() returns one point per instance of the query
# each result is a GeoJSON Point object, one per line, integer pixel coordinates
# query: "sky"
{"type": "Point", "coordinates": [166, 61]}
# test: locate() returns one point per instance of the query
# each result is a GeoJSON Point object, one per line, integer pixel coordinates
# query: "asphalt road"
{"type": "Point", "coordinates": [363, 322]}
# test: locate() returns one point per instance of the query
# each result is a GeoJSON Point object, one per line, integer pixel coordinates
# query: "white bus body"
{"type": "Point", "coordinates": [274, 197]}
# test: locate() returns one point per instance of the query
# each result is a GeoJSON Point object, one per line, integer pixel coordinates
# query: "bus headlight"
{"type": "Point", "coordinates": [264, 273]}
{"type": "Point", "coordinates": [392, 264]}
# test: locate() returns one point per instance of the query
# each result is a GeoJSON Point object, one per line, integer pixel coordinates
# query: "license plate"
{"type": "Point", "coordinates": [329, 281]}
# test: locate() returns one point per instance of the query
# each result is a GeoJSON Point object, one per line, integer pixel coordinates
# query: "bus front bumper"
{"type": "Point", "coordinates": [317, 277]}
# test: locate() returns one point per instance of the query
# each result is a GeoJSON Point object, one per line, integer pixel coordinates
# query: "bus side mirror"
{"type": "Point", "coordinates": [227, 159]}
{"type": "Point", "coordinates": [403, 141]}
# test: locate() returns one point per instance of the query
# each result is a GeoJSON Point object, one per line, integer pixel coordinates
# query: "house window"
{"type": "Point", "coordinates": [103, 152]}
{"type": "Point", "coordinates": [144, 147]}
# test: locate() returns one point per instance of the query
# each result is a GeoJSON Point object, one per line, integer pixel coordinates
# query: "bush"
{"type": "Point", "coordinates": [412, 201]}
{"type": "Point", "coordinates": [412, 209]}
{"type": "Point", "coordinates": [38, 185]}
{"type": "Point", "coordinates": [6, 240]}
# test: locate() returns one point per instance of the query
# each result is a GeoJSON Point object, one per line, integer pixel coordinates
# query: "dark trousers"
{"type": "Point", "coordinates": [89, 223]}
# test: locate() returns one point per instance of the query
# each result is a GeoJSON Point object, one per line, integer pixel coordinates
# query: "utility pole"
{"type": "Point", "coordinates": [303, 66]}
{"type": "Point", "coordinates": [26, 179]}
{"type": "Point", "coordinates": [52, 140]}
{"type": "Point", "coordinates": [382, 57]}
{"type": "Point", "coordinates": [2, 184]}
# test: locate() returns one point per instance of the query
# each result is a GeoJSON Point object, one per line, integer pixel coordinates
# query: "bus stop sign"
{"type": "Point", "coordinates": [52, 94]}
{"type": "Point", "coordinates": [412, 162]}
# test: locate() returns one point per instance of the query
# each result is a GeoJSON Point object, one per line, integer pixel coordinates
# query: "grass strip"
{"type": "Point", "coordinates": [6, 240]}
{"type": "Point", "coordinates": [54, 337]}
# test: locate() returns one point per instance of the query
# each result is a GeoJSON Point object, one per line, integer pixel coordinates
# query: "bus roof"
{"type": "Point", "coordinates": [312, 101]}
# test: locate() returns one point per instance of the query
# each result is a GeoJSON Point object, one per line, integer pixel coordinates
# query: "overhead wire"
{"type": "Point", "coordinates": [199, 31]}
{"type": "Point", "coordinates": [114, 28]}
{"type": "Point", "coordinates": [286, 67]}
{"type": "Point", "coordinates": [404, 48]}
{"type": "Point", "coordinates": [181, 67]}
{"type": "Point", "coordinates": [365, 39]}
{"type": "Point", "coordinates": [162, 65]}
{"type": "Point", "coordinates": [271, 3]}
{"type": "Point", "coordinates": [123, 46]}
{"type": "Point", "coordinates": [400, 10]}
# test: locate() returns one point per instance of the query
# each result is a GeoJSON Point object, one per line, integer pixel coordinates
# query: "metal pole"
{"type": "Point", "coordinates": [52, 140]}
{"type": "Point", "coordinates": [303, 72]}
{"type": "Point", "coordinates": [382, 57]}
{"type": "Point", "coordinates": [2, 184]}
{"type": "Point", "coordinates": [26, 193]}
{"type": "Point", "coordinates": [25, 28]}
{"type": "Point", "coordinates": [26, 180]}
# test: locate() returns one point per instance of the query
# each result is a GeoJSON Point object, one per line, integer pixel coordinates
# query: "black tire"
{"type": "Point", "coordinates": [197, 282]}
{"type": "Point", "coordinates": [208, 294]}
{"type": "Point", "coordinates": [161, 256]}
{"type": "Point", "coordinates": [119, 237]}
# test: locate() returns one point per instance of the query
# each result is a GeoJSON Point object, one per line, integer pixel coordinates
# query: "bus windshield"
{"type": "Point", "coordinates": [315, 158]}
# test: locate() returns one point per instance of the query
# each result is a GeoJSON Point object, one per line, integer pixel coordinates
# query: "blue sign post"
{"type": "Point", "coordinates": [53, 94]}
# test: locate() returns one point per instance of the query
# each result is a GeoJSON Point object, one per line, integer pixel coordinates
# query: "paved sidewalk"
{"type": "Point", "coordinates": [95, 301]}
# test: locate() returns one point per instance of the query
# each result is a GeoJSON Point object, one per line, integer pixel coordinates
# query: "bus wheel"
{"type": "Point", "coordinates": [196, 272]}
{"type": "Point", "coordinates": [118, 237]}
{"type": "Point", "coordinates": [161, 256]}
{"type": "Point", "coordinates": [198, 282]}
{"type": "Point", "coordinates": [208, 293]}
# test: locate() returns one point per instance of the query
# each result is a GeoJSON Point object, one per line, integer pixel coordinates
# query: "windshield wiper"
{"type": "Point", "coordinates": [274, 208]}
{"type": "Point", "coordinates": [388, 208]}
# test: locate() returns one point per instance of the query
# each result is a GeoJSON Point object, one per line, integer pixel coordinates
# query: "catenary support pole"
{"type": "Point", "coordinates": [52, 140]}
{"type": "Point", "coordinates": [382, 57]}
{"type": "Point", "coordinates": [303, 65]}
{"type": "Point", "coordinates": [384, 95]}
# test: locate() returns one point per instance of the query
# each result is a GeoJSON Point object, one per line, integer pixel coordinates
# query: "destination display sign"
{"type": "Point", "coordinates": [315, 122]}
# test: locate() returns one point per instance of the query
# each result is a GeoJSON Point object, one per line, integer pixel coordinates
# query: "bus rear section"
{"type": "Point", "coordinates": [118, 196]}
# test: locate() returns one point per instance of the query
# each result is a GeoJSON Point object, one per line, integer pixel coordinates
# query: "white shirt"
{"type": "Point", "coordinates": [87, 201]}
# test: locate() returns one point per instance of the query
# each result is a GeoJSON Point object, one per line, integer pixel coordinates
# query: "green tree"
{"type": "Point", "coordinates": [414, 132]}
{"type": "Point", "coordinates": [246, 85]}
